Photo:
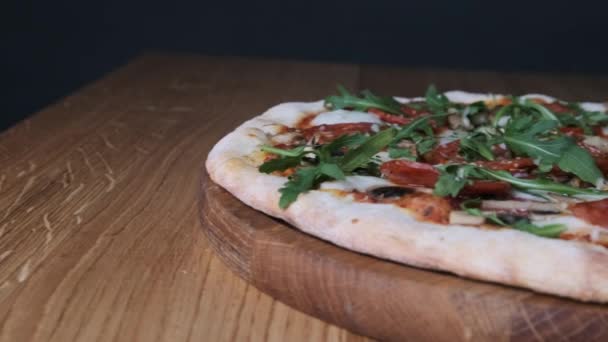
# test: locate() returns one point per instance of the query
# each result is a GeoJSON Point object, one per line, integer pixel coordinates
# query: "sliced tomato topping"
{"type": "Point", "coordinates": [572, 131]}
{"type": "Point", "coordinates": [445, 153]}
{"type": "Point", "coordinates": [413, 112]}
{"type": "Point", "coordinates": [405, 172]}
{"type": "Point", "coordinates": [410, 173]}
{"type": "Point", "coordinates": [557, 107]}
{"type": "Point", "coordinates": [599, 131]}
{"type": "Point", "coordinates": [390, 118]}
{"type": "Point", "coordinates": [595, 212]}
{"type": "Point", "coordinates": [328, 133]}
{"type": "Point", "coordinates": [511, 165]}
{"type": "Point", "coordinates": [480, 187]}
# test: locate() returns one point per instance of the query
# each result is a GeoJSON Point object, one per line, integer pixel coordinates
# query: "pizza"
{"type": "Point", "coordinates": [507, 189]}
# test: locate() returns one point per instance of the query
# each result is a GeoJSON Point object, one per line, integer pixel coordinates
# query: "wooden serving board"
{"type": "Point", "coordinates": [379, 298]}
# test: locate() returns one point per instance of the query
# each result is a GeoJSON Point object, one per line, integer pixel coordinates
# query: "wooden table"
{"type": "Point", "coordinates": [99, 230]}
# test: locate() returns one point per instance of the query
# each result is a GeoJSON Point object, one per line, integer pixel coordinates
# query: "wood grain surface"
{"type": "Point", "coordinates": [100, 237]}
{"type": "Point", "coordinates": [382, 299]}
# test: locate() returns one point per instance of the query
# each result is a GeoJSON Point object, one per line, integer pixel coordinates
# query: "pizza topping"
{"type": "Point", "coordinates": [324, 163]}
{"type": "Point", "coordinates": [343, 117]}
{"type": "Point", "coordinates": [390, 191]}
{"type": "Point", "coordinates": [462, 217]}
{"type": "Point", "coordinates": [544, 207]}
{"type": "Point", "coordinates": [345, 100]}
{"type": "Point", "coordinates": [412, 173]}
{"type": "Point", "coordinates": [522, 155]}
{"type": "Point", "coordinates": [426, 207]}
{"type": "Point", "coordinates": [595, 212]}
{"type": "Point", "coordinates": [445, 153]}
{"type": "Point", "coordinates": [390, 118]}
{"type": "Point", "coordinates": [357, 183]}
{"type": "Point", "coordinates": [326, 133]}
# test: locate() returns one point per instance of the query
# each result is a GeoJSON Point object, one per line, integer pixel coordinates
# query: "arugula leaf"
{"type": "Point", "coordinates": [331, 170]}
{"type": "Point", "coordinates": [548, 150]}
{"type": "Point", "coordinates": [524, 108]}
{"type": "Point", "coordinates": [420, 124]}
{"type": "Point", "coordinates": [474, 108]}
{"type": "Point", "coordinates": [362, 154]}
{"type": "Point", "coordinates": [578, 161]}
{"type": "Point", "coordinates": [437, 102]}
{"type": "Point", "coordinates": [523, 224]}
{"type": "Point", "coordinates": [367, 101]}
{"type": "Point", "coordinates": [329, 166]}
{"type": "Point", "coordinates": [540, 184]}
{"type": "Point", "coordinates": [544, 111]}
{"type": "Point", "coordinates": [583, 119]}
{"type": "Point", "coordinates": [492, 217]}
{"type": "Point", "coordinates": [476, 145]}
{"type": "Point", "coordinates": [452, 179]}
{"type": "Point", "coordinates": [424, 144]}
{"type": "Point", "coordinates": [302, 181]}
{"type": "Point", "coordinates": [287, 159]}
{"type": "Point", "coordinates": [327, 152]}
{"type": "Point", "coordinates": [279, 164]}
{"type": "Point", "coordinates": [294, 152]}
{"type": "Point", "coordinates": [594, 118]}
{"type": "Point", "coordinates": [549, 230]}
{"type": "Point", "coordinates": [395, 153]}
{"type": "Point", "coordinates": [562, 150]}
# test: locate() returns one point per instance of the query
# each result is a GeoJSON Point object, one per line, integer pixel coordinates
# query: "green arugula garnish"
{"type": "Point", "coordinates": [368, 100]}
{"type": "Point", "coordinates": [305, 179]}
{"type": "Point", "coordinates": [453, 177]}
{"type": "Point", "coordinates": [582, 118]}
{"type": "Point", "coordinates": [477, 145]}
{"type": "Point", "coordinates": [540, 184]}
{"type": "Point", "coordinates": [535, 140]}
{"type": "Point", "coordinates": [474, 211]}
{"type": "Point", "coordinates": [362, 154]}
{"type": "Point", "coordinates": [396, 153]}
{"type": "Point", "coordinates": [523, 224]}
{"type": "Point", "coordinates": [524, 107]}
{"type": "Point", "coordinates": [326, 162]}
{"type": "Point", "coordinates": [549, 230]}
{"type": "Point", "coordinates": [437, 102]}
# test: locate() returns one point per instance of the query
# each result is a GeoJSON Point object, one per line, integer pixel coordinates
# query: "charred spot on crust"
{"type": "Point", "coordinates": [390, 191]}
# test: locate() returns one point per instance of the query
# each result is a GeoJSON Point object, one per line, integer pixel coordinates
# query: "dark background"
{"type": "Point", "coordinates": [49, 49]}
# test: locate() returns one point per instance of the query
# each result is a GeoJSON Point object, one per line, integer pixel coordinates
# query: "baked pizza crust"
{"type": "Point", "coordinates": [566, 268]}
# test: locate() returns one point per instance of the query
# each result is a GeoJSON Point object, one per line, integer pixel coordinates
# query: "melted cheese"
{"type": "Point", "coordinates": [359, 183]}
{"type": "Point", "coordinates": [593, 106]}
{"type": "Point", "coordinates": [344, 116]}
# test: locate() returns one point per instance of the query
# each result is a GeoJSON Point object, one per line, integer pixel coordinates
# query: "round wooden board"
{"type": "Point", "coordinates": [379, 298]}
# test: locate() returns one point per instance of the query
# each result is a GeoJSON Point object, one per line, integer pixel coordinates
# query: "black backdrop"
{"type": "Point", "coordinates": [50, 49]}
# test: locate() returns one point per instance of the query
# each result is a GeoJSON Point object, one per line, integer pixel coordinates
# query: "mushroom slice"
{"type": "Point", "coordinates": [523, 205]}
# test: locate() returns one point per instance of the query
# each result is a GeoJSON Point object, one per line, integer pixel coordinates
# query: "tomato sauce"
{"type": "Point", "coordinates": [328, 133]}
{"type": "Point", "coordinates": [595, 212]}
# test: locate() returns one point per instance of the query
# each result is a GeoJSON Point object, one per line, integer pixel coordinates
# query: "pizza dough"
{"type": "Point", "coordinates": [566, 268]}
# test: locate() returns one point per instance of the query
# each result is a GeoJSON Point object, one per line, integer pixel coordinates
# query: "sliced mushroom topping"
{"type": "Point", "coordinates": [287, 138]}
{"type": "Point", "coordinates": [461, 217]}
{"type": "Point", "coordinates": [455, 121]}
{"type": "Point", "coordinates": [390, 191]}
{"type": "Point", "coordinates": [510, 218]}
{"type": "Point", "coordinates": [522, 205]}
{"type": "Point", "coordinates": [479, 119]}
{"type": "Point", "coordinates": [597, 142]}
